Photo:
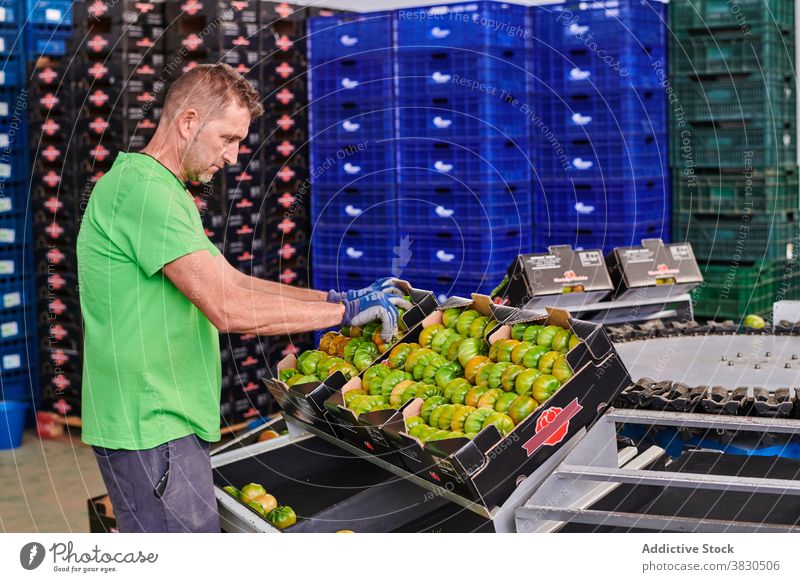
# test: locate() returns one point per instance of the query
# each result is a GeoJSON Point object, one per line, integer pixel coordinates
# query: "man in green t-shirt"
{"type": "Point", "coordinates": [155, 293]}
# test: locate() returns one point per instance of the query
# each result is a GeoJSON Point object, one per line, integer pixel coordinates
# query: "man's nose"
{"type": "Point", "coordinates": [230, 155]}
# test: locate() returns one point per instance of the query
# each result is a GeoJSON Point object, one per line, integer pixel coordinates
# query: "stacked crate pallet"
{"type": "Point", "coordinates": [734, 151]}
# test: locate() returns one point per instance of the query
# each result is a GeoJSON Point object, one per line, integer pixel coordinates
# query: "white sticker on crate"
{"type": "Point", "coordinates": [12, 362]}
{"type": "Point", "coordinates": [11, 299]}
{"type": "Point", "coordinates": [2, 45]}
{"type": "Point", "coordinates": [52, 15]}
{"type": "Point", "coordinates": [9, 329]}
{"type": "Point", "coordinates": [8, 235]}
{"type": "Point", "coordinates": [5, 170]}
{"type": "Point", "coordinates": [2, 77]}
{"type": "Point", "coordinates": [6, 267]}
{"type": "Point", "coordinates": [5, 204]}
{"type": "Point", "coordinates": [4, 141]}
{"type": "Point", "coordinates": [3, 109]}
{"type": "Point", "coordinates": [2, 14]}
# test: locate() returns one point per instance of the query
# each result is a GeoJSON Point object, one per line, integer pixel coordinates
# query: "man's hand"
{"type": "Point", "coordinates": [387, 286]}
{"type": "Point", "coordinates": [360, 311]}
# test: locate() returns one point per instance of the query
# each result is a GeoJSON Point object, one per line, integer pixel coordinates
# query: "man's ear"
{"type": "Point", "coordinates": [188, 122]}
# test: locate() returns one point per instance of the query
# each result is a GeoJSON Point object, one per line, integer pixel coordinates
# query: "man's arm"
{"type": "Point", "coordinates": [234, 308]}
{"type": "Point", "coordinates": [269, 287]}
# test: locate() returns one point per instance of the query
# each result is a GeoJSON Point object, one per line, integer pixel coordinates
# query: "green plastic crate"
{"type": "Point", "coordinates": [754, 97]}
{"type": "Point", "coordinates": [734, 146]}
{"type": "Point", "coordinates": [731, 291]}
{"type": "Point", "coordinates": [704, 15]}
{"type": "Point", "coordinates": [724, 239]}
{"type": "Point", "coordinates": [762, 192]}
{"type": "Point", "coordinates": [732, 54]}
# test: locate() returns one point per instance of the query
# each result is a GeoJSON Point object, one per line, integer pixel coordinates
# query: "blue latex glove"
{"type": "Point", "coordinates": [362, 310]}
{"type": "Point", "coordinates": [387, 286]}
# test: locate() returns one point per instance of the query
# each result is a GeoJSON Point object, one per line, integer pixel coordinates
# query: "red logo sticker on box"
{"type": "Point", "coordinates": [56, 281]}
{"type": "Point", "coordinates": [97, 43]}
{"type": "Point", "coordinates": [100, 153]}
{"type": "Point", "coordinates": [283, 10]}
{"type": "Point", "coordinates": [192, 42]}
{"type": "Point", "coordinates": [192, 7]}
{"type": "Point", "coordinates": [98, 8]}
{"type": "Point", "coordinates": [98, 70]}
{"type": "Point", "coordinates": [241, 41]}
{"type": "Point", "coordinates": [51, 153]}
{"type": "Point", "coordinates": [145, 70]}
{"type": "Point", "coordinates": [284, 43]}
{"type": "Point", "coordinates": [146, 124]}
{"type": "Point", "coordinates": [98, 125]}
{"type": "Point", "coordinates": [50, 127]}
{"type": "Point", "coordinates": [57, 306]}
{"type": "Point", "coordinates": [59, 358]}
{"type": "Point", "coordinates": [144, 7]}
{"type": "Point", "coordinates": [287, 251]}
{"type": "Point", "coordinates": [286, 199]}
{"type": "Point", "coordinates": [49, 101]}
{"type": "Point", "coordinates": [244, 177]}
{"type": "Point", "coordinates": [286, 226]}
{"type": "Point", "coordinates": [288, 276]}
{"type": "Point", "coordinates": [54, 230]}
{"type": "Point", "coordinates": [284, 70]}
{"type": "Point", "coordinates": [285, 122]}
{"type": "Point", "coordinates": [552, 426]}
{"type": "Point", "coordinates": [145, 42]}
{"type": "Point", "coordinates": [244, 230]}
{"type": "Point", "coordinates": [98, 98]}
{"type": "Point", "coordinates": [58, 332]}
{"type": "Point", "coordinates": [53, 204]}
{"type": "Point", "coordinates": [48, 75]}
{"type": "Point", "coordinates": [62, 406]}
{"type": "Point", "coordinates": [51, 179]}
{"type": "Point", "coordinates": [286, 148]}
{"type": "Point", "coordinates": [244, 203]}
{"type": "Point", "coordinates": [286, 173]}
{"type": "Point", "coordinates": [55, 256]}
{"type": "Point", "coordinates": [244, 150]}
{"type": "Point", "coordinates": [285, 96]}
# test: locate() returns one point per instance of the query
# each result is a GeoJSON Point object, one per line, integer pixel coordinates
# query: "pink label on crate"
{"type": "Point", "coordinates": [241, 41]}
{"type": "Point", "coordinates": [59, 358]}
{"type": "Point", "coordinates": [287, 251]}
{"type": "Point", "coordinates": [98, 125]}
{"type": "Point", "coordinates": [286, 200]}
{"type": "Point", "coordinates": [242, 69]}
{"type": "Point", "coordinates": [284, 43]}
{"type": "Point", "coordinates": [49, 101]}
{"type": "Point", "coordinates": [61, 382]}
{"type": "Point", "coordinates": [48, 75]}
{"type": "Point", "coordinates": [51, 179]}
{"type": "Point", "coordinates": [98, 98]}
{"type": "Point", "coordinates": [286, 225]}
{"type": "Point", "coordinates": [288, 276]}
{"type": "Point", "coordinates": [50, 127]}
{"type": "Point", "coordinates": [97, 43]}
{"type": "Point", "coordinates": [286, 173]}
{"type": "Point", "coordinates": [58, 332]}
{"type": "Point", "coordinates": [284, 70]}
{"type": "Point", "coordinates": [192, 42]}
{"type": "Point", "coordinates": [56, 281]}
{"type": "Point", "coordinates": [54, 230]}
{"type": "Point", "coordinates": [144, 7]}
{"type": "Point", "coordinates": [249, 361]}
{"type": "Point", "coordinates": [57, 306]}
{"type": "Point", "coordinates": [55, 256]}
{"type": "Point", "coordinates": [244, 230]}
{"type": "Point", "coordinates": [146, 124]}
{"type": "Point", "coordinates": [244, 177]}
{"type": "Point", "coordinates": [98, 71]}
{"type": "Point", "coordinates": [51, 153]}
{"type": "Point", "coordinates": [100, 153]}
{"type": "Point", "coordinates": [244, 150]}
{"type": "Point", "coordinates": [285, 96]}
{"type": "Point", "coordinates": [552, 426]}
{"type": "Point", "coordinates": [189, 66]}
{"type": "Point", "coordinates": [285, 148]}
{"type": "Point", "coordinates": [245, 256]}
{"type": "Point", "coordinates": [96, 176]}
{"type": "Point", "coordinates": [250, 387]}
{"type": "Point", "coordinates": [192, 7]}
{"type": "Point", "coordinates": [145, 70]}
{"type": "Point", "coordinates": [285, 122]}
{"type": "Point", "coordinates": [240, 5]}
{"type": "Point", "coordinates": [62, 406]}
{"type": "Point", "coordinates": [53, 204]}
{"type": "Point", "coordinates": [146, 97]}
{"type": "Point", "coordinates": [145, 43]}
{"type": "Point", "coordinates": [98, 8]}
{"type": "Point", "coordinates": [244, 203]}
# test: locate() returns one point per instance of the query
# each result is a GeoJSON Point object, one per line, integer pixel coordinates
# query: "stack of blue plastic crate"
{"type": "Point", "coordinates": [18, 344]}
{"type": "Point", "coordinates": [599, 123]}
{"type": "Point", "coordinates": [463, 163]}
{"type": "Point", "coordinates": [49, 26]}
{"type": "Point", "coordinates": [352, 173]}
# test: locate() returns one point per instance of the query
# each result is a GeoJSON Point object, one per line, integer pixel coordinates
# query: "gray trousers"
{"type": "Point", "coordinates": [168, 488]}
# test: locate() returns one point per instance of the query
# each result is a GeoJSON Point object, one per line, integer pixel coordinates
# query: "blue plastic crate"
{"type": "Point", "coordinates": [472, 25]}
{"type": "Point", "coordinates": [453, 251]}
{"type": "Point", "coordinates": [50, 12]}
{"type": "Point", "coordinates": [15, 230]}
{"type": "Point", "coordinates": [47, 41]}
{"type": "Point", "coordinates": [16, 291]}
{"type": "Point", "coordinates": [491, 161]}
{"type": "Point", "coordinates": [577, 115]}
{"type": "Point", "coordinates": [422, 76]}
{"type": "Point", "coordinates": [462, 119]}
{"type": "Point", "coordinates": [588, 202]}
{"type": "Point", "coordinates": [11, 100]}
{"type": "Point", "coordinates": [10, 12]}
{"type": "Point", "coordinates": [371, 162]}
{"type": "Point", "coordinates": [15, 261]}
{"type": "Point", "coordinates": [17, 324]}
{"type": "Point", "coordinates": [368, 79]}
{"type": "Point", "coordinates": [11, 72]}
{"type": "Point", "coordinates": [14, 168]}
{"type": "Point", "coordinates": [632, 155]}
{"type": "Point", "coordinates": [598, 237]}
{"type": "Point", "coordinates": [343, 35]}
{"type": "Point", "coordinates": [354, 206]}
{"type": "Point", "coordinates": [463, 284]}
{"type": "Point", "coordinates": [557, 70]}
{"type": "Point", "coordinates": [15, 356]}
{"type": "Point", "coordinates": [352, 249]}
{"type": "Point", "coordinates": [609, 24]}
{"type": "Point", "coordinates": [481, 209]}
{"type": "Point", "coordinates": [326, 279]}
{"type": "Point", "coordinates": [11, 41]}
{"type": "Point", "coordinates": [347, 122]}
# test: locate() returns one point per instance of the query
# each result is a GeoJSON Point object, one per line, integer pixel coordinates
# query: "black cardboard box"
{"type": "Point", "coordinates": [101, 515]}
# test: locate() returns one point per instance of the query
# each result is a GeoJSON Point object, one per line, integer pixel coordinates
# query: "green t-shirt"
{"type": "Point", "coordinates": [151, 370]}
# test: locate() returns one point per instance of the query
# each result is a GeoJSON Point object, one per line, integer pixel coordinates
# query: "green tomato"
{"type": "Point", "coordinates": [489, 398]}
{"type": "Point", "coordinates": [433, 418]}
{"type": "Point", "coordinates": [391, 380]}
{"type": "Point", "coordinates": [502, 422]}
{"type": "Point", "coordinates": [504, 401]}
{"type": "Point", "coordinates": [518, 331]}
{"type": "Point", "coordinates": [532, 333]}
{"type": "Point", "coordinates": [532, 356]}
{"type": "Point", "coordinates": [439, 435]}
{"type": "Point", "coordinates": [282, 517]}
{"type": "Point", "coordinates": [346, 368]}
{"type": "Point", "coordinates": [430, 405]}
{"type": "Point", "coordinates": [441, 338]}
{"type": "Point", "coordinates": [409, 393]}
{"type": "Point", "coordinates": [446, 373]}
{"type": "Point", "coordinates": [349, 395]}
{"type": "Point", "coordinates": [450, 317]}
{"type": "Point", "coordinates": [546, 362]}
{"type": "Point", "coordinates": [351, 348]}
{"type": "Point", "coordinates": [509, 378]}
{"type": "Point", "coordinates": [504, 350]}
{"type": "Point", "coordinates": [468, 349]}
{"type": "Point", "coordinates": [754, 321]}
{"type": "Point", "coordinates": [561, 340]}
{"type": "Point", "coordinates": [426, 335]}
{"type": "Point", "coordinates": [365, 355]}
{"type": "Point", "coordinates": [418, 429]}
{"type": "Point", "coordinates": [374, 375]}
{"type": "Point", "coordinates": [460, 395]}
{"type": "Point", "coordinates": [474, 422]}
{"type": "Point", "coordinates": [495, 378]}
{"type": "Point", "coordinates": [574, 341]}
{"type": "Point", "coordinates": [465, 320]}
{"type": "Point", "coordinates": [450, 349]}
{"type": "Point", "coordinates": [519, 351]}
{"type": "Point", "coordinates": [524, 382]}
{"type": "Point", "coordinates": [545, 337]}
{"type": "Point", "coordinates": [301, 379]}
{"type": "Point", "coordinates": [287, 373]}
{"type": "Point", "coordinates": [521, 408]}
{"type": "Point", "coordinates": [429, 373]}
{"type": "Point", "coordinates": [471, 398]}
{"type": "Point", "coordinates": [482, 376]}
{"type": "Point", "coordinates": [425, 390]}
{"type": "Point", "coordinates": [478, 327]}
{"type": "Point", "coordinates": [460, 417]}
{"type": "Point", "coordinates": [415, 357]}
{"type": "Point", "coordinates": [544, 387]}
{"type": "Point", "coordinates": [454, 385]}
{"type": "Point", "coordinates": [399, 355]}
{"type": "Point", "coordinates": [308, 364]}
{"type": "Point", "coordinates": [562, 370]}
{"type": "Point", "coordinates": [413, 421]}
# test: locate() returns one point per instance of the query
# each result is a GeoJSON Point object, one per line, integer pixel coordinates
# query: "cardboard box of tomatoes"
{"type": "Point", "coordinates": [499, 434]}
{"type": "Point", "coordinates": [305, 400]}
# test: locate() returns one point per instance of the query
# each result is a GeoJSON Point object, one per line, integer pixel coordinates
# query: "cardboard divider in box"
{"type": "Point", "coordinates": [488, 468]}
{"type": "Point", "coordinates": [306, 401]}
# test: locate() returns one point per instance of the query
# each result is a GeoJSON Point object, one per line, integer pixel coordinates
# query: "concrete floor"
{"type": "Point", "coordinates": [44, 485]}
